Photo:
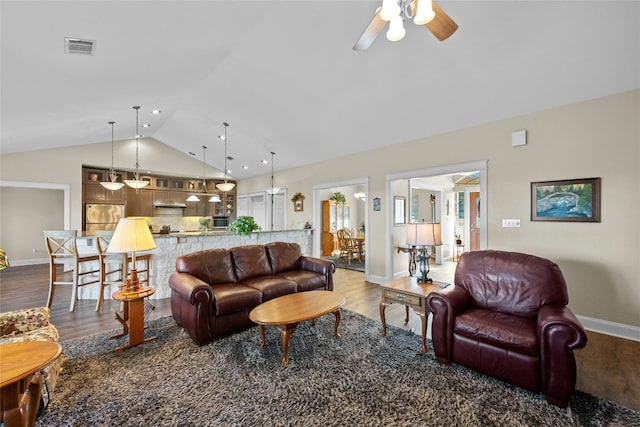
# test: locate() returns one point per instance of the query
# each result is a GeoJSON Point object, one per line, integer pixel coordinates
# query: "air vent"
{"type": "Point", "coordinates": [83, 47]}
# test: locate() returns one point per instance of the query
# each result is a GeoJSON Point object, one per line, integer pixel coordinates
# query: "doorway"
{"type": "Point", "coordinates": [353, 215]}
{"type": "Point", "coordinates": [445, 183]}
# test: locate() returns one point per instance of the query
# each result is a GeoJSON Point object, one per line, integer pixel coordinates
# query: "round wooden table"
{"type": "Point", "coordinates": [20, 362]}
{"type": "Point", "coordinates": [132, 317]}
{"type": "Point", "coordinates": [287, 311]}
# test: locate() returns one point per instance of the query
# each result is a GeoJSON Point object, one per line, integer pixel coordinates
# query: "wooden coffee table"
{"type": "Point", "coordinates": [287, 311]}
{"type": "Point", "coordinates": [407, 291]}
{"type": "Point", "coordinates": [20, 363]}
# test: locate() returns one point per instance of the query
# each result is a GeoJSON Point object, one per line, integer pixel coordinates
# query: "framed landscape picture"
{"type": "Point", "coordinates": [571, 200]}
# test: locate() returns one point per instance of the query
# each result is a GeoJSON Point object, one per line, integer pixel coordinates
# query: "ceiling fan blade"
{"type": "Point", "coordinates": [442, 26]}
{"type": "Point", "coordinates": [375, 27]}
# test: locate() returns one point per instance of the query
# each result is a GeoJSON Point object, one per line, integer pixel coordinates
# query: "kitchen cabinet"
{"type": "Point", "coordinates": [139, 202]}
{"type": "Point", "coordinates": [94, 192]}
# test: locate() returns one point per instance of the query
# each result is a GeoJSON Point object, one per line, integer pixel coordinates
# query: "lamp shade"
{"type": "Point", "coordinates": [424, 234]}
{"type": "Point", "coordinates": [131, 235]}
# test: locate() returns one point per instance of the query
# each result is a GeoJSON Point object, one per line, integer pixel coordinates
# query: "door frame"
{"type": "Point", "coordinates": [480, 166]}
{"type": "Point", "coordinates": [317, 214]}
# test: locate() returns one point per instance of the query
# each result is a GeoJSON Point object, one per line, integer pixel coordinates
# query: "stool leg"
{"type": "Point", "coordinates": [74, 289]}
{"type": "Point", "coordinates": [52, 279]}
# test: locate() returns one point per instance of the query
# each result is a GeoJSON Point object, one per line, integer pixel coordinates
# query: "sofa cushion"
{"type": "Point", "coordinates": [250, 261]}
{"type": "Point", "coordinates": [498, 329]}
{"type": "Point", "coordinates": [306, 280]}
{"type": "Point", "coordinates": [211, 266]}
{"type": "Point", "coordinates": [232, 297]}
{"type": "Point", "coordinates": [271, 286]}
{"type": "Point", "coordinates": [284, 256]}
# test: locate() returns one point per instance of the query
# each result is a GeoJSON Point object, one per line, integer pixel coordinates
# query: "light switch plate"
{"type": "Point", "coordinates": [511, 223]}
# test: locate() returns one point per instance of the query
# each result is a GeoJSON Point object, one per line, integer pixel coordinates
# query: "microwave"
{"type": "Point", "coordinates": [220, 221]}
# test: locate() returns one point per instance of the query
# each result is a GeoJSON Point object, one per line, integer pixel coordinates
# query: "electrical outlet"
{"type": "Point", "coordinates": [511, 223]}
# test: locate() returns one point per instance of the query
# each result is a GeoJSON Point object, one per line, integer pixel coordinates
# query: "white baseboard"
{"type": "Point", "coordinates": [606, 327]}
{"type": "Point", "coordinates": [34, 261]}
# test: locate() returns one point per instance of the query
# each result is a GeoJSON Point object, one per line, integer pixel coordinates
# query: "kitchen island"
{"type": "Point", "coordinates": [172, 245]}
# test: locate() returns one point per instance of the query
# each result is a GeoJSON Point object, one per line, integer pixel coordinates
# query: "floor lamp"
{"type": "Point", "coordinates": [422, 235]}
{"type": "Point", "coordinates": [131, 235]}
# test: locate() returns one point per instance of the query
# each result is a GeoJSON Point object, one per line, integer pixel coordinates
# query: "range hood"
{"type": "Point", "coordinates": [169, 205]}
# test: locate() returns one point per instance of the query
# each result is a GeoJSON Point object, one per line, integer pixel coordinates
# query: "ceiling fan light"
{"type": "Point", "coordinates": [396, 29]}
{"type": "Point", "coordinates": [390, 9]}
{"type": "Point", "coordinates": [425, 13]}
{"type": "Point", "coordinates": [225, 186]}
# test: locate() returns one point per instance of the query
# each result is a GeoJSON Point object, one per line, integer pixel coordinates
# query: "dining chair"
{"type": "Point", "coordinates": [345, 244]}
{"type": "Point", "coordinates": [63, 249]}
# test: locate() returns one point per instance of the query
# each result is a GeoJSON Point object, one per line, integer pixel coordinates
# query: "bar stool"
{"type": "Point", "coordinates": [63, 249]}
{"type": "Point", "coordinates": [111, 264]}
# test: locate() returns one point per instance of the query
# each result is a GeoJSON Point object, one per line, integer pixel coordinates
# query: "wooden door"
{"type": "Point", "coordinates": [474, 221]}
{"type": "Point", "coordinates": [327, 218]}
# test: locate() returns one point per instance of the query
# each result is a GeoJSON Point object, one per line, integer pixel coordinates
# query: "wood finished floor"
{"type": "Point", "coordinates": [608, 367]}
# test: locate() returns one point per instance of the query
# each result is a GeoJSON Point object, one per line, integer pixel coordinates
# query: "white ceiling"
{"type": "Point", "coordinates": [283, 73]}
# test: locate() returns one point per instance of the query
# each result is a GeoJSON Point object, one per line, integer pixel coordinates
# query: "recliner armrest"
{"type": "Point", "coordinates": [559, 333]}
{"type": "Point", "coordinates": [444, 305]}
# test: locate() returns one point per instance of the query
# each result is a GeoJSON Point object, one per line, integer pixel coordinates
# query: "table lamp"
{"type": "Point", "coordinates": [423, 235]}
{"type": "Point", "coordinates": [131, 235]}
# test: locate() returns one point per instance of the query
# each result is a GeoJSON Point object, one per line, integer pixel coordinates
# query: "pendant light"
{"type": "Point", "coordinates": [225, 186]}
{"type": "Point", "coordinates": [273, 189]}
{"type": "Point", "coordinates": [113, 183]}
{"type": "Point", "coordinates": [136, 182]}
{"type": "Point", "coordinates": [205, 192]}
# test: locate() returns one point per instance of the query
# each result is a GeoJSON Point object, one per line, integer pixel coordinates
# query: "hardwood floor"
{"type": "Point", "coordinates": [608, 367]}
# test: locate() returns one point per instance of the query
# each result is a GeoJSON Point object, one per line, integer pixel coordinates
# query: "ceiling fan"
{"type": "Point", "coordinates": [423, 12]}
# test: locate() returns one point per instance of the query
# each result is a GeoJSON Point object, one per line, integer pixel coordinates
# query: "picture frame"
{"type": "Point", "coordinates": [399, 210]}
{"type": "Point", "coordinates": [569, 200]}
{"type": "Point", "coordinates": [376, 204]}
{"type": "Point", "coordinates": [298, 202]}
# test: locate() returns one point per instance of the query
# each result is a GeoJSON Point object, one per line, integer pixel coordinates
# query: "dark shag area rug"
{"type": "Point", "coordinates": [360, 379]}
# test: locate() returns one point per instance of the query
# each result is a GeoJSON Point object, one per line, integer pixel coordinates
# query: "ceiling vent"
{"type": "Point", "coordinates": [83, 47]}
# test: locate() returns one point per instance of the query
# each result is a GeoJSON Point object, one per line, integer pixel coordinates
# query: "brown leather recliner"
{"type": "Point", "coordinates": [507, 317]}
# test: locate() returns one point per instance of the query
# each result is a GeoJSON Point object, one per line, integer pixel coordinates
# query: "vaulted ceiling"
{"type": "Point", "coordinates": [283, 73]}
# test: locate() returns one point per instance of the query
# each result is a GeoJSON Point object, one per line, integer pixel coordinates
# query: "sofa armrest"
{"type": "Point", "coordinates": [192, 305]}
{"type": "Point", "coordinates": [559, 333]}
{"type": "Point", "coordinates": [19, 322]}
{"type": "Point", "coordinates": [188, 286]}
{"type": "Point", "coordinates": [444, 305]}
{"type": "Point", "coordinates": [321, 266]}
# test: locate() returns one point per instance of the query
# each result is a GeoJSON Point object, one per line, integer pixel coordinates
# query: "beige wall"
{"type": "Point", "coordinates": [597, 138]}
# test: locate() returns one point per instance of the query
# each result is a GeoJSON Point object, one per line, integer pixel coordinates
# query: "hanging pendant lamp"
{"type": "Point", "coordinates": [113, 183]}
{"type": "Point", "coordinates": [225, 186]}
{"type": "Point", "coordinates": [273, 189]}
{"type": "Point", "coordinates": [136, 182]}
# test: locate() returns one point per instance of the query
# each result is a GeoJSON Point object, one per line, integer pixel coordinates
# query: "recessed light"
{"type": "Point", "coordinates": [245, 167]}
{"type": "Point", "coordinates": [156, 111]}
{"type": "Point", "coordinates": [221, 137]}
{"type": "Point", "coordinates": [146, 125]}
{"type": "Point", "coordinates": [264, 162]}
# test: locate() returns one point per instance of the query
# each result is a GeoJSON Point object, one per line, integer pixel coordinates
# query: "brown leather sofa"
{"type": "Point", "coordinates": [213, 291]}
{"type": "Point", "coordinates": [506, 317]}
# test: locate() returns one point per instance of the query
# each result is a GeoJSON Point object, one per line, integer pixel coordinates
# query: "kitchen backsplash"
{"type": "Point", "coordinates": [175, 223]}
